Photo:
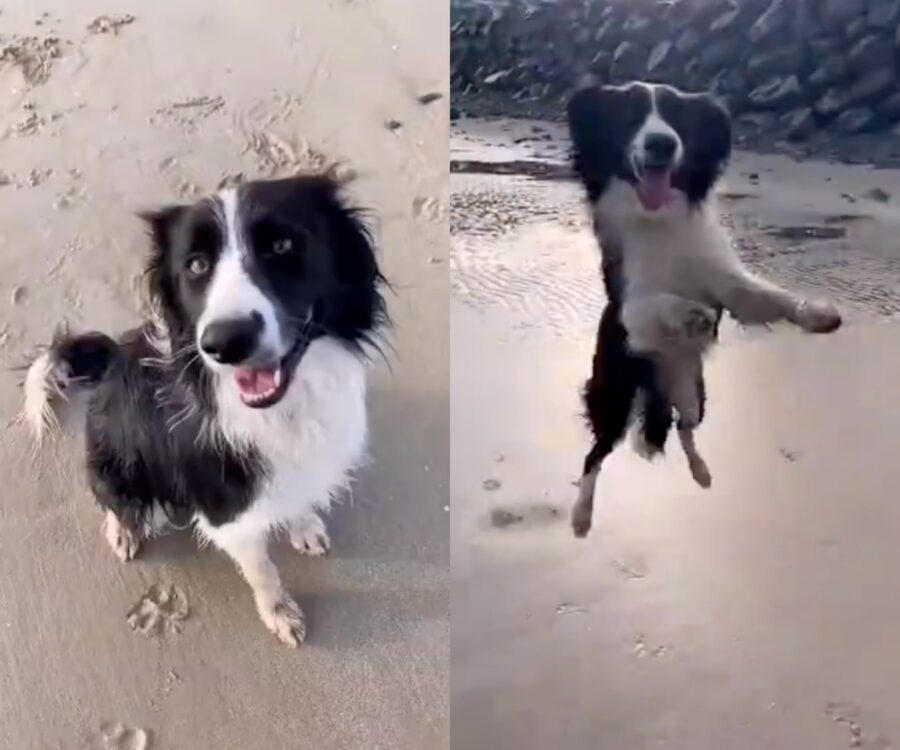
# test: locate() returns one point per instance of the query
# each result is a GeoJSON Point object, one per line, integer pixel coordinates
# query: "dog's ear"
{"type": "Point", "coordinates": [161, 226]}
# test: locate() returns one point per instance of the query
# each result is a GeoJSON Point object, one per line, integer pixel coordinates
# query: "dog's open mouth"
{"type": "Point", "coordinates": [261, 387]}
{"type": "Point", "coordinates": [654, 188]}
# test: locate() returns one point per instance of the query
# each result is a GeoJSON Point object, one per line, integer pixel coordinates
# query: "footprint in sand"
{"type": "Point", "coordinates": [536, 514]}
{"type": "Point", "coordinates": [118, 736]}
{"type": "Point", "coordinates": [159, 611]}
{"type": "Point", "coordinates": [429, 209]}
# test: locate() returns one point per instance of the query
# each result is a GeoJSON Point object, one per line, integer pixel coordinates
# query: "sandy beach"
{"type": "Point", "coordinates": [760, 613]}
{"type": "Point", "coordinates": [107, 109]}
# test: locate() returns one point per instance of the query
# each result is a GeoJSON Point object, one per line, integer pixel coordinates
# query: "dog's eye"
{"type": "Point", "coordinates": [198, 266]}
{"type": "Point", "coordinates": [282, 246]}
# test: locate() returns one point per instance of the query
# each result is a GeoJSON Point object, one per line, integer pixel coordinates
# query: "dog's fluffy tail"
{"type": "Point", "coordinates": [59, 378]}
{"type": "Point", "coordinates": [654, 421]}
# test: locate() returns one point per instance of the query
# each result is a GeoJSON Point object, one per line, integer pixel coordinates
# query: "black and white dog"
{"type": "Point", "coordinates": [648, 156]}
{"type": "Point", "coordinates": [240, 405]}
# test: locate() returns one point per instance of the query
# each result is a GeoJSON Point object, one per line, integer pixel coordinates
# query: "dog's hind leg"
{"type": "Point", "coordinates": [609, 397]}
{"type": "Point", "coordinates": [699, 469]}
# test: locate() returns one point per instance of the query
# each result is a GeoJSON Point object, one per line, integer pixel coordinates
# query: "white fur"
{"type": "Point", "coordinates": [314, 437]}
{"type": "Point", "coordinates": [233, 294]}
{"type": "Point", "coordinates": [653, 125]}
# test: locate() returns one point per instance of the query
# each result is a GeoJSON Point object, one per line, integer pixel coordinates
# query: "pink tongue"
{"type": "Point", "coordinates": [654, 190]}
{"type": "Point", "coordinates": [255, 381]}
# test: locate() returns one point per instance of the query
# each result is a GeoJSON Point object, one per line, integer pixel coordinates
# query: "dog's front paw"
{"type": "Point", "coordinates": [284, 618]}
{"type": "Point", "coordinates": [818, 317]}
{"type": "Point", "coordinates": [125, 543]}
{"type": "Point", "coordinates": [309, 536]}
{"type": "Point", "coordinates": [692, 323]}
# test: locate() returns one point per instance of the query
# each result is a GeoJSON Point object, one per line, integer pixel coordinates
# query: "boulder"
{"type": "Point", "coordinates": [773, 20]}
{"type": "Point", "coordinates": [831, 69]}
{"type": "Point", "coordinates": [725, 21]}
{"type": "Point", "coordinates": [786, 60]}
{"type": "Point", "coordinates": [856, 29]}
{"type": "Point", "coordinates": [627, 62]}
{"type": "Point", "coordinates": [757, 121]}
{"type": "Point", "coordinates": [799, 123]}
{"type": "Point", "coordinates": [889, 107]}
{"type": "Point", "coordinates": [823, 46]}
{"type": "Point", "coordinates": [687, 41]}
{"type": "Point", "coordinates": [856, 120]}
{"type": "Point", "coordinates": [872, 85]}
{"type": "Point", "coordinates": [883, 13]}
{"type": "Point", "coordinates": [832, 102]}
{"type": "Point", "coordinates": [658, 55]}
{"type": "Point", "coordinates": [836, 14]}
{"type": "Point", "coordinates": [779, 92]}
{"type": "Point", "coordinates": [717, 54]}
{"type": "Point", "coordinates": [870, 52]}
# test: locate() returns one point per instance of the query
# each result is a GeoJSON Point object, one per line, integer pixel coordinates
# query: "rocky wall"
{"type": "Point", "coordinates": [801, 70]}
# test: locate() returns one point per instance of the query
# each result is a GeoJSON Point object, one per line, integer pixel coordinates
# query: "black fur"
{"type": "Point", "coordinates": [152, 436]}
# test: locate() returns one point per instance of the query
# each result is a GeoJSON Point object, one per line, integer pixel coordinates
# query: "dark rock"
{"type": "Point", "coordinates": [729, 82]}
{"type": "Point", "coordinates": [889, 107]}
{"type": "Point", "coordinates": [758, 121]}
{"type": "Point", "coordinates": [636, 24]}
{"type": "Point", "coordinates": [787, 59]}
{"type": "Point", "coordinates": [830, 70]}
{"type": "Point", "coordinates": [688, 41]}
{"type": "Point", "coordinates": [836, 14]}
{"type": "Point", "coordinates": [606, 30]}
{"type": "Point", "coordinates": [870, 52]}
{"type": "Point", "coordinates": [882, 13]}
{"type": "Point", "coordinates": [726, 21]}
{"type": "Point", "coordinates": [856, 120]}
{"type": "Point", "coordinates": [856, 29]}
{"type": "Point", "coordinates": [824, 46]}
{"type": "Point", "coordinates": [658, 55]}
{"type": "Point", "coordinates": [799, 124]}
{"type": "Point", "coordinates": [834, 101]}
{"type": "Point", "coordinates": [872, 85]}
{"type": "Point", "coordinates": [769, 23]}
{"type": "Point", "coordinates": [716, 55]}
{"type": "Point", "coordinates": [626, 62]}
{"type": "Point", "coordinates": [779, 92]}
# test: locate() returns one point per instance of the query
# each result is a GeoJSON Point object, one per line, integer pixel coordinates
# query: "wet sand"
{"type": "Point", "coordinates": [96, 123]}
{"type": "Point", "coordinates": [764, 612]}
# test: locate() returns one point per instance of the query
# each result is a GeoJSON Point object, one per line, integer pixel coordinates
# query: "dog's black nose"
{"type": "Point", "coordinates": [233, 340]}
{"type": "Point", "coordinates": [659, 149]}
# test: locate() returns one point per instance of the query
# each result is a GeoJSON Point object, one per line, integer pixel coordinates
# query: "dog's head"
{"type": "Point", "coordinates": [249, 277]}
{"type": "Point", "coordinates": [647, 150]}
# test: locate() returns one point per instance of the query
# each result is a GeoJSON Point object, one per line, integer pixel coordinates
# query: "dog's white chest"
{"type": "Point", "coordinates": [310, 441]}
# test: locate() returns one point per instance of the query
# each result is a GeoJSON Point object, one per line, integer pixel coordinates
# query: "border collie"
{"type": "Point", "coordinates": [239, 405]}
{"type": "Point", "coordinates": [648, 157]}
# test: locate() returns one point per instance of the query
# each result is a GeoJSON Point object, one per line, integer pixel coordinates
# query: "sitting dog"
{"type": "Point", "coordinates": [239, 406]}
{"type": "Point", "coordinates": [648, 157]}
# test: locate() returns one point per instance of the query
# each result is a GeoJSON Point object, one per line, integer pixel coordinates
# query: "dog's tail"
{"type": "Point", "coordinates": [654, 421]}
{"type": "Point", "coordinates": [61, 376]}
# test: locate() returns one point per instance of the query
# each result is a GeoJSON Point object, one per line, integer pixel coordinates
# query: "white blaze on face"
{"type": "Point", "coordinates": [231, 292]}
{"type": "Point", "coordinates": [654, 187]}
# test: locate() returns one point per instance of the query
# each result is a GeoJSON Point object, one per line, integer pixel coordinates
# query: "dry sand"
{"type": "Point", "coordinates": [96, 123]}
{"type": "Point", "coordinates": [763, 613]}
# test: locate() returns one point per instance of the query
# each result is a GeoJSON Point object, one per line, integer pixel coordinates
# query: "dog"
{"type": "Point", "coordinates": [648, 157]}
{"type": "Point", "coordinates": [239, 405]}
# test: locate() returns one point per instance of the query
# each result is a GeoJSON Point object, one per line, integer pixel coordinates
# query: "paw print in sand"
{"type": "Point", "coordinates": [117, 736]}
{"type": "Point", "coordinates": [159, 611]}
